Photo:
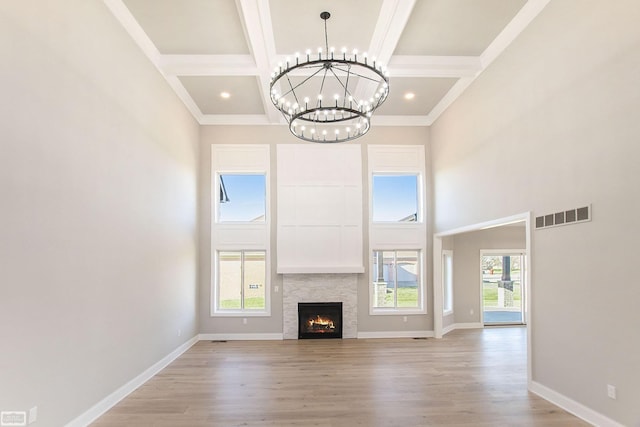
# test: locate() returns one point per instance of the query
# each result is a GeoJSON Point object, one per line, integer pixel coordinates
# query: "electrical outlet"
{"type": "Point", "coordinates": [611, 391]}
{"type": "Point", "coordinates": [244, 320]}
{"type": "Point", "coordinates": [33, 415]}
{"type": "Point", "coordinates": [179, 332]}
{"type": "Point", "coordinates": [471, 311]}
{"type": "Point", "coordinates": [404, 319]}
{"type": "Point", "coordinates": [275, 289]}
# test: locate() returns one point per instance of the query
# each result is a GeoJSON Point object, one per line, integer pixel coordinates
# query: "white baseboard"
{"type": "Point", "coordinates": [396, 334]}
{"type": "Point", "coordinates": [241, 337]}
{"type": "Point", "coordinates": [570, 405]}
{"type": "Point", "coordinates": [111, 400]}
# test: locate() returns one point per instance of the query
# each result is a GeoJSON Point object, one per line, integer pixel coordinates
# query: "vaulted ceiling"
{"type": "Point", "coordinates": [434, 49]}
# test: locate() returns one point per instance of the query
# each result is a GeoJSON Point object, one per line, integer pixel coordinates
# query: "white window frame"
{"type": "Point", "coordinates": [239, 159]}
{"type": "Point", "coordinates": [398, 236]}
{"type": "Point", "coordinates": [421, 287]}
{"type": "Point", "coordinates": [447, 283]}
{"type": "Point", "coordinates": [216, 296]}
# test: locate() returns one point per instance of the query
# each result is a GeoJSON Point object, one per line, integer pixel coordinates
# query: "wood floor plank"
{"type": "Point", "coordinates": [468, 378]}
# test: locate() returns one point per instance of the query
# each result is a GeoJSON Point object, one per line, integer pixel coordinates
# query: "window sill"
{"type": "Point", "coordinates": [238, 313]}
{"type": "Point", "coordinates": [395, 311]}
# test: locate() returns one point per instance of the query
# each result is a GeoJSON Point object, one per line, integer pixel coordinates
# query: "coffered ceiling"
{"type": "Point", "coordinates": [434, 49]}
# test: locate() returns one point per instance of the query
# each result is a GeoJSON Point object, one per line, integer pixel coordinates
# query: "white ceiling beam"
{"type": "Point", "coordinates": [420, 66]}
{"type": "Point", "coordinates": [186, 98]}
{"type": "Point", "coordinates": [379, 120]}
{"type": "Point", "coordinates": [208, 65]}
{"type": "Point", "coordinates": [235, 119]}
{"type": "Point", "coordinates": [394, 15]}
{"type": "Point", "coordinates": [434, 66]}
{"type": "Point", "coordinates": [122, 14]}
{"type": "Point", "coordinates": [513, 29]}
{"type": "Point", "coordinates": [259, 31]}
{"type": "Point", "coordinates": [392, 19]}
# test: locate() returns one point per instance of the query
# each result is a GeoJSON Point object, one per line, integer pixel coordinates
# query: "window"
{"type": "Point", "coordinates": [242, 197]}
{"type": "Point", "coordinates": [397, 230]}
{"type": "Point", "coordinates": [240, 236]}
{"type": "Point", "coordinates": [241, 280]}
{"type": "Point", "coordinates": [447, 282]}
{"type": "Point", "coordinates": [397, 279]}
{"type": "Point", "coordinates": [395, 198]}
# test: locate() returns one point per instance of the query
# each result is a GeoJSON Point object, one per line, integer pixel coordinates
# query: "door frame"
{"type": "Point", "coordinates": [438, 314]}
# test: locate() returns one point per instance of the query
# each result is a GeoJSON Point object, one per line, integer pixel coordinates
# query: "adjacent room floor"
{"type": "Point", "coordinates": [468, 378]}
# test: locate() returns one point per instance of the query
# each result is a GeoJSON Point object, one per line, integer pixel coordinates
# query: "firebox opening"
{"type": "Point", "coordinates": [319, 320]}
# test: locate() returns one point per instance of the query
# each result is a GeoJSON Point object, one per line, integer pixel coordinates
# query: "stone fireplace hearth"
{"type": "Point", "coordinates": [320, 288]}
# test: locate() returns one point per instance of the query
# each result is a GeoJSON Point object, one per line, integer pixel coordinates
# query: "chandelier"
{"type": "Point", "coordinates": [329, 96]}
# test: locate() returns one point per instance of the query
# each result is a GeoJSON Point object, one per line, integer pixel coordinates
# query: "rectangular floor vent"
{"type": "Point", "coordinates": [568, 217]}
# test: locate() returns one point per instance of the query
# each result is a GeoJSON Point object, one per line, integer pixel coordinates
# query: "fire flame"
{"type": "Point", "coordinates": [321, 322]}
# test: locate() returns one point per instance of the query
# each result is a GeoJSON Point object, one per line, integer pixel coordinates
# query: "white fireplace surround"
{"type": "Point", "coordinates": [320, 288]}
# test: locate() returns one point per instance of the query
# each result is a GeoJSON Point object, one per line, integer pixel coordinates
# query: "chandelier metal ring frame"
{"type": "Point", "coordinates": [301, 90]}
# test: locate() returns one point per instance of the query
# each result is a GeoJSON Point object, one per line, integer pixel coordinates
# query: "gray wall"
{"type": "Point", "coordinates": [553, 123]}
{"type": "Point", "coordinates": [466, 266]}
{"type": "Point", "coordinates": [98, 185]}
{"type": "Point", "coordinates": [274, 135]}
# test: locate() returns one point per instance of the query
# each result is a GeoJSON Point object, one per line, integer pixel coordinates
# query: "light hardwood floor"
{"type": "Point", "coordinates": [468, 378]}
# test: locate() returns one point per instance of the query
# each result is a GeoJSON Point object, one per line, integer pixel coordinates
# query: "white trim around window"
{"type": "Point", "coordinates": [390, 287]}
{"type": "Point", "coordinates": [398, 160]}
{"type": "Point", "coordinates": [447, 282]}
{"type": "Point", "coordinates": [239, 236]}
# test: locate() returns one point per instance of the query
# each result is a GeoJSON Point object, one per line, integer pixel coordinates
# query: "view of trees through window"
{"type": "Point", "coordinates": [396, 279]}
{"type": "Point", "coordinates": [241, 280]}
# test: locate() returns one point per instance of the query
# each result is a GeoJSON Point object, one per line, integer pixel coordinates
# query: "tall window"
{"type": "Point", "coordinates": [240, 224]}
{"type": "Point", "coordinates": [241, 280]}
{"type": "Point", "coordinates": [397, 229]}
{"type": "Point", "coordinates": [395, 198]}
{"type": "Point", "coordinates": [397, 279]}
{"type": "Point", "coordinates": [447, 282]}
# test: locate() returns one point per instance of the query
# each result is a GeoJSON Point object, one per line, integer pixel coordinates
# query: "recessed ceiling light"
{"type": "Point", "coordinates": [409, 95]}
{"type": "Point", "coordinates": [225, 95]}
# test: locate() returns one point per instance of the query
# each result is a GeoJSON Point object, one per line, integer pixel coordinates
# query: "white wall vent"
{"type": "Point", "coordinates": [568, 217]}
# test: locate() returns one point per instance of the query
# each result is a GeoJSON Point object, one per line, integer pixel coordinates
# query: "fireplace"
{"type": "Point", "coordinates": [319, 320]}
